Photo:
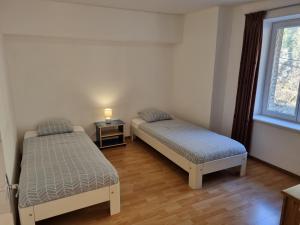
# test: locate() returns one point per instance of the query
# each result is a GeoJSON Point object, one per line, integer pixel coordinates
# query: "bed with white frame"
{"type": "Point", "coordinates": [32, 214]}
{"type": "Point", "coordinates": [195, 171]}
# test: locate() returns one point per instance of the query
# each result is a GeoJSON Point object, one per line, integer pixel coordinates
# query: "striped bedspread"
{"type": "Point", "coordinates": [195, 143]}
{"type": "Point", "coordinates": [58, 166]}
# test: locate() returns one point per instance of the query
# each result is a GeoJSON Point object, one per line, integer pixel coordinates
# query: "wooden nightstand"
{"type": "Point", "coordinates": [110, 134]}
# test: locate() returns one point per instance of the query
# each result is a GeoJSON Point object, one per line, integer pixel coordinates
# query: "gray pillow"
{"type": "Point", "coordinates": [152, 115]}
{"type": "Point", "coordinates": [54, 126]}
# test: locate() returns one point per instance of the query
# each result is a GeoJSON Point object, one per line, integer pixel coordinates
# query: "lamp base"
{"type": "Point", "coordinates": [108, 121]}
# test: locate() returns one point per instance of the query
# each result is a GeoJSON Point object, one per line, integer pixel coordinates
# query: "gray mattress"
{"type": "Point", "coordinates": [195, 143]}
{"type": "Point", "coordinates": [58, 166]}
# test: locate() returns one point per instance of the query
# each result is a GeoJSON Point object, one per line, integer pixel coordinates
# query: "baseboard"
{"type": "Point", "coordinates": [274, 167]}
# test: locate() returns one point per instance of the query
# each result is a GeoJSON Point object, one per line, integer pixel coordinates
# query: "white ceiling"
{"type": "Point", "coordinates": [163, 6]}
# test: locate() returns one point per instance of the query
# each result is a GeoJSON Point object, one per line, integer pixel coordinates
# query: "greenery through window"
{"type": "Point", "coordinates": [283, 75]}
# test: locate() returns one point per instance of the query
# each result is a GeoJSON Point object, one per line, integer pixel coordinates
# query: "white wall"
{"type": "Point", "coordinates": [78, 79]}
{"type": "Point", "coordinates": [194, 62]}
{"type": "Point", "coordinates": [57, 19]}
{"type": "Point", "coordinates": [276, 145]}
{"type": "Point", "coordinates": [73, 60]}
{"type": "Point", "coordinates": [221, 65]}
{"type": "Point", "coordinates": [271, 144]}
{"type": "Point", "coordinates": [7, 122]}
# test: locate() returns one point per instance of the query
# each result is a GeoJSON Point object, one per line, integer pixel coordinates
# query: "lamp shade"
{"type": "Point", "coordinates": [108, 113]}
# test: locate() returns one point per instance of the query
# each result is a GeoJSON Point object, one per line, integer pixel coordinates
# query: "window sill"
{"type": "Point", "coordinates": [277, 122]}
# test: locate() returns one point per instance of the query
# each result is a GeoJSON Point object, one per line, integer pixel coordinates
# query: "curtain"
{"type": "Point", "coordinates": [248, 75]}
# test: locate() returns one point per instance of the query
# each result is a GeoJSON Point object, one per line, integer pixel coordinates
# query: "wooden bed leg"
{"type": "Point", "coordinates": [243, 166]}
{"type": "Point", "coordinates": [133, 137]}
{"type": "Point", "coordinates": [195, 176]}
{"type": "Point", "coordinates": [26, 216]}
{"type": "Point", "coordinates": [132, 134]}
{"type": "Point", "coordinates": [114, 196]}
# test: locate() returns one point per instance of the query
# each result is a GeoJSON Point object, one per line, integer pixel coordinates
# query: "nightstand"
{"type": "Point", "coordinates": [290, 214]}
{"type": "Point", "coordinates": [110, 134]}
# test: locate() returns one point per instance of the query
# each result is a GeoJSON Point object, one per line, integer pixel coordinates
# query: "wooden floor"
{"type": "Point", "coordinates": [155, 191]}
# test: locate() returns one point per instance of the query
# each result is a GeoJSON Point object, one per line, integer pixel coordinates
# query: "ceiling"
{"type": "Point", "coordinates": [162, 6]}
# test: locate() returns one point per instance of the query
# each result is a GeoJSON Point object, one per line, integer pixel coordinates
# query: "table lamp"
{"type": "Point", "coordinates": [108, 115]}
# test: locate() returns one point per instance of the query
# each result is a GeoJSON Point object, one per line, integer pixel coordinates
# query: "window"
{"type": "Point", "coordinates": [281, 91]}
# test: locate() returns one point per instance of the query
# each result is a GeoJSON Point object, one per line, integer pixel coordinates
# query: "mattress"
{"type": "Point", "coordinates": [62, 165]}
{"type": "Point", "coordinates": [194, 143]}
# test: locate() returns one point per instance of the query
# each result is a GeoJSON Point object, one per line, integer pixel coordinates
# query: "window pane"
{"type": "Point", "coordinates": [285, 72]}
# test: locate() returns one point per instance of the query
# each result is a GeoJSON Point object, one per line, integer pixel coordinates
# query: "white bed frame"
{"type": "Point", "coordinates": [196, 171]}
{"type": "Point", "coordinates": [32, 214]}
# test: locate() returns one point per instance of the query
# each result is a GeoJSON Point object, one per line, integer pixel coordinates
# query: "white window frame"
{"type": "Point", "coordinates": [268, 77]}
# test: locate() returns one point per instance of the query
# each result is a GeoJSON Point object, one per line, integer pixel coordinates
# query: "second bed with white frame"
{"type": "Point", "coordinates": [195, 171]}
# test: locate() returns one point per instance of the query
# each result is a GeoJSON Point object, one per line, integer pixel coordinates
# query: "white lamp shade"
{"type": "Point", "coordinates": [108, 113]}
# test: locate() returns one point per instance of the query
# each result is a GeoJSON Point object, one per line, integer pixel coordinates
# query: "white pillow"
{"type": "Point", "coordinates": [152, 115]}
{"type": "Point", "coordinates": [54, 126]}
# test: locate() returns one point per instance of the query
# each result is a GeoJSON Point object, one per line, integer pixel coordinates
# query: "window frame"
{"type": "Point", "coordinates": [268, 76]}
